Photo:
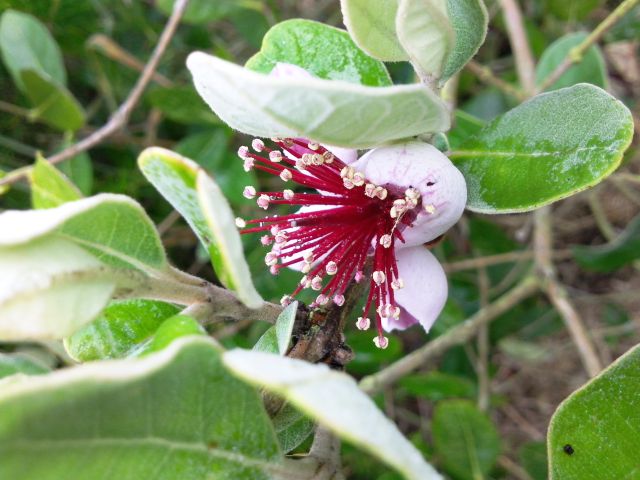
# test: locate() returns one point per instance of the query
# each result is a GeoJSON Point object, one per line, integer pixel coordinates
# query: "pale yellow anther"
{"type": "Point", "coordinates": [378, 277]}
{"type": "Point", "coordinates": [313, 146]}
{"type": "Point", "coordinates": [430, 208]}
{"type": "Point", "coordinates": [385, 240]}
{"type": "Point", "coordinates": [328, 157]}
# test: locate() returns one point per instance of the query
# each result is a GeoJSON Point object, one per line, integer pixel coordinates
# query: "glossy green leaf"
{"type": "Point", "coordinates": [465, 440]}
{"type": "Point", "coordinates": [26, 44]}
{"type": "Point", "coordinates": [49, 187]}
{"type": "Point", "coordinates": [372, 25]}
{"type": "Point", "coordinates": [332, 112]}
{"type": "Point", "coordinates": [10, 364]}
{"type": "Point", "coordinates": [548, 148]}
{"type": "Point", "coordinates": [119, 329]}
{"type": "Point", "coordinates": [199, 200]}
{"type": "Point", "coordinates": [324, 51]}
{"type": "Point", "coordinates": [594, 434]}
{"type": "Point", "coordinates": [611, 256]}
{"type": "Point", "coordinates": [211, 150]}
{"type": "Point", "coordinates": [202, 11]}
{"type": "Point", "coordinates": [52, 103]}
{"type": "Point", "coordinates": [533, 458]}
{"type": "Point", "coordinates": [48, 288]}
{"type": "Point", "coordinates": [292, 428]}
{"type": "Point", "coordinates": [172, 329]}
{"type": "Point", "coordinates": [277, 338]}
{"type": "Point", "coordinates": [591, 69]}
{"type": "Point", "coordinates": [181, 104]}
{"type": "Point", "coordinates": [437, 386]}
{"type": "Point", "coordinates": [113, 227]}
{"type": "Point", "coordinates": [334, 400]}
{"type": "Point", "coordinates": [426, 33]}
{"type": "Point", "coordinates": [469, 20]}
{"type": "Point", "coordinates": [173, 415]}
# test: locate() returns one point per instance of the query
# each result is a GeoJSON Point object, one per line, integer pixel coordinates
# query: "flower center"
{"type": "Point", "coordinates": [344, 219]}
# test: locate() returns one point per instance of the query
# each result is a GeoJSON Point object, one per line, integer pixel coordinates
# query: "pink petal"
{"type": "Point", "coordinates": [425, 289]}
{"type": "Point", "coordinates": [417, 164]}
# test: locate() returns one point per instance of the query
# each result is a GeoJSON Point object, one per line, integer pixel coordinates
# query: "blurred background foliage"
{"type": "Point", "coordinates": [480, 411]}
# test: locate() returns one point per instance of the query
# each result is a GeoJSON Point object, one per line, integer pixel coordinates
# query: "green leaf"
{"type": "Point", "coordinates": [333, 399]}
{"type": "Point", "coordinates": [202, 11]}
{"type": "Point", "coordinates": [437, 386]}
{"type": "Point", "coordinates": [211, 150]}
{"type": "Point", "coordinates": [48, 288]}
{"type": "Point", "coordinates": [465, 440]}
{"type": "Point", "coordinates": [591, 69]}
{"type": "Point", "coordinates": [548, 148]}
{"type": "Point", "coordinates": [199, 200]}
{"type": "Point", "coordinates": [114, 228]}
{"type": "Point", "coordinates": [10, 364]}
{"type": "Point", "coordinates": [3, 188]}
{"type": "Point", "coordinates": [119, 329]}
{"type": "Point", "coordinates": [594, 434]}
{"type": "Point", "coordinates": [181, 104]}
{"type": "Point", "coordinates": [292, 428]}
{"type": "Point", "coordinates": [49, 187]}
{"type": "Point", "coordinates": [533, 458]}
{"type": "Point", "coordinates": [79, 170]}
{"type": "Point", "coordinates": [426, 33]}
{"type": "Point", "coordinates": [277, 338]}
{"type": "Point", "coordinates": [26, 44]}
{"type": "Point", "coordinates": [372, 25]}
{"type": "Point", "coordinates": [572, 10]}
{"type": "Point", "coordinates": [469, 20]}
{"type": "Point", "coordinates": [465, 126]}
{"type": "Point", "coordinates": [176, 415]}
{"type": "Point", "coordinates": [172, 329]}
{"type": "Point", "coordinates": [624, 249]}
{"type": "Point", "coordinates": [52, 103]}
{"type": "Point", "coordinates": [324, 51]}
{"type": "Point", "coordinates": [336, 113]}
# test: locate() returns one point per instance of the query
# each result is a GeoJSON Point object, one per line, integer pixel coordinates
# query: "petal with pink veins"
{"type": "Point", "coordinates": [425, 289]}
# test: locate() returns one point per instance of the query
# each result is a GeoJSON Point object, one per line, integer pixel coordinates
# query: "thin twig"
{"type": "Point", "coordinates": [487, 76]}
{"type": "Point", "coordinates": [121, 116]}
{"type": "Point", "coordinates": [576, 53]}
{"type": "Point", "coordinates": [482, 367]}
{"type": "Point", "coordinates": [523, 57]}
{"type": "Point", "coordinates": [489, 260]}
{"type": "Point", "coordinates": [458, 335]}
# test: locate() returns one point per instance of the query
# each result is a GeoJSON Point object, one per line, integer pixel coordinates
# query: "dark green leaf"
{"type": "Point", "coordinates": [119, 329]}
{"type": "Point", "coordinates": [594, 434]}
{"type": "Point", "coordinates": [202, 11]}
{"type": "Point", "coordinates": [437, 386]}
{"type": "Point", "coordinates": [323, 51]}
{"type": "Point", "coordinates": [548, 148]}
{"type": "Point", "coordinates": [182, 104]}
{"type": "Point", "coordinates": [10, 364]}
{"type": "Point", "coordinates": [80, 171]}
{"type": "Point", "coordinates": [591, 69]}
{"type": "Point", "coordinates": [533, 458]}
{"type": "Point", "coordinates": [465, 440]}
{"type": "Point", "coordinates": [464, 127]}
{"type": "Point", "coordinates": [277, 338]}
{"type": "Point", "coordinates": [611, 256]}
{"type": "Point", "coordinates": [292, 427]}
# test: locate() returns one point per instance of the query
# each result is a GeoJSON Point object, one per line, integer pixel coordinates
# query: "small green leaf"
{"type": "Point", "coordinates": [591, 69]}
{"type": "Point", "coordinates": [199, 200]}
{"type": "Point", "coordinates": [79, 170]}
{"type": "Point", "coordinates": [277, 338]}
{"type": "Point", "coordinates": [611, 256]}
{"type": "Point", "coordinates": [114, 228]}
{"type": "Point", "coordinates": [181, 104]}
{"type": "Point", "coordinates": [119, 329]}
{"type": "Point", "coordinates": [465, 440]}
{"type": "Point", "coordinates": [324, 51]}
{"type": "Point", "coordinates": [594, 434]}
{"type": "Point", "coordinates": [533, 458]}
{"type": "Point", "coordinates": [171, 329]}
{"type": "Point", "coordinates": [292, 428]}
{"type": "Point", "coordinates": [26, 44]}
{"type": "Point", "coordinates": [426, 33]}
{"type": "Point", "coordinates": [469, 20]}
{"type": "Point", "coordinates": [3, 188]}
{"type": "Point", "coordinates": [333, 399]}
{"type": "Point", "coordinates": [202, 11]}
{"type": "Point", "coordinates": [10, 364]}
{"type": "Point", "coordinates": [437, 386]}
{"type": "Point", "coordinates": [174, 415]}
{"type": "Point", "coordinates": [548, 148]}
{"type": "Point", "coordinates": [372, 25]}
{"type": "Point", "coordinates": [48, 288]}
{"type": "Point", "coordinates": [52, 103]}
{"type": "Point", "coordinates": [336, 113]}
{"type": "Point", "coordinates": [49, 187]}
{"type": "Point", "coordinates": [465, 126]}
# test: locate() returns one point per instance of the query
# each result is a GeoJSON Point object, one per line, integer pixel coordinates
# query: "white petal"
{"type": "Point", "coordinates": [416, 164]}
{"type": "Point", "coordinates": [425, 289]}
